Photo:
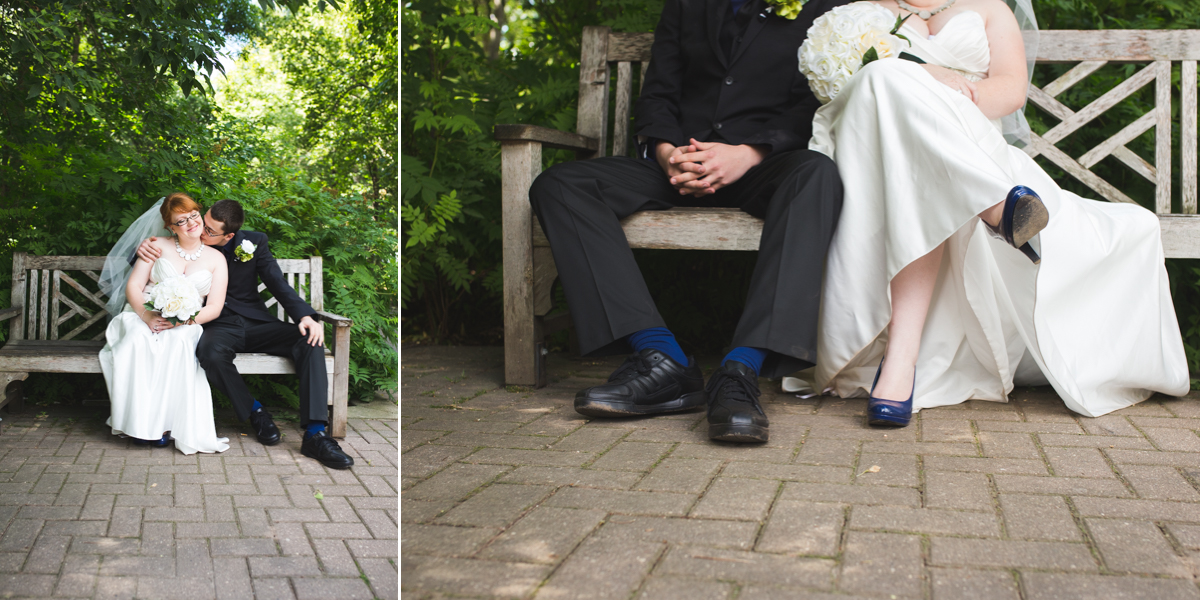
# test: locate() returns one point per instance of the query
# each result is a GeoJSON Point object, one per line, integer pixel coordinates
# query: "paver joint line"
{"type": "Point", "coordinates": [981, 500]}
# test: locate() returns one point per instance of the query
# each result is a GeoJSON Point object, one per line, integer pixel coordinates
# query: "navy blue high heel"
{"type": "Point", "coordinates": [889, 413]}
{"type": "Point", "coordinates": [1024, 217]}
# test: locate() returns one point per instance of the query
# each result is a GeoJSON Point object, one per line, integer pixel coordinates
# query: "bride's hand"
{"type": "Point", "coordinates": [954, 80]}
{"type": "Point", "coordinates": [155, 322]}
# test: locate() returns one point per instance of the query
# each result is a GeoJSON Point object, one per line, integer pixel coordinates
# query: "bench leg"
{"type": "Point", "coordinates": [521, 162]}
{"type": "Point", "coordinates": [11, 394]}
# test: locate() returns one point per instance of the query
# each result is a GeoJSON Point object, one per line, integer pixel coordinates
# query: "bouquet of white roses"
{"type": "Point", "coordinates": [176, 299]}
{"type": "Point", "coordinates": [844, 39]}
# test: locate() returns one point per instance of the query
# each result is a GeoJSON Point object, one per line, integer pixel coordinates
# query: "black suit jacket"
{"type": "Point", "coordinates": [242, 296]}
{"type": "Point", "coordinates": [756, 96]}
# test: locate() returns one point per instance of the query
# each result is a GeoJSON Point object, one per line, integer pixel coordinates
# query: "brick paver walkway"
{"type": "Point", "coordinates": [510, 493]}
{"type": "Point", "coordinates": [87, 515]}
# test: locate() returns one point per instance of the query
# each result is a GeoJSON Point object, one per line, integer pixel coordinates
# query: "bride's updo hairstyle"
{"type": "Point", "coordinates": [177, 202]}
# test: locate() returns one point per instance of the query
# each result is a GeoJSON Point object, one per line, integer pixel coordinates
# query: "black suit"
{"type": "Point", "coordinates": [245, 325]}
{"type": "Point", "coordinates": [717, 77]}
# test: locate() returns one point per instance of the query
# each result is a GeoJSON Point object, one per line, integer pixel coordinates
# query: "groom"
{"type": "Point", "coordinates": [723, 120]}
{"type": "Point", "coordinates": [245, 325]}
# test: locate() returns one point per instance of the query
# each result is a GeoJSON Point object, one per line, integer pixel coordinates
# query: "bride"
{"type": "Point", "coordinates": [958, 258]}
{"type": "Point", "coordinates": [157, 388]}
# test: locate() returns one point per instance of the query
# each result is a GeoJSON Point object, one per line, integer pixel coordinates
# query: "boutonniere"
{"type": "Point", "coordinates": [245, 251]}
{"type": "Point", "coordinates": [788, 9]}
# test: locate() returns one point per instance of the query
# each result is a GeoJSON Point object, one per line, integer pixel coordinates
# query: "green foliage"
{"type": "Point", "coordinates": [113, 127]}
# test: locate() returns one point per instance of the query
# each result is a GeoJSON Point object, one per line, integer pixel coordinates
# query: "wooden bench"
{"type": "Point", "coordinates": [529, 271]}
{"type": "Point", "coordinates": [58, 323]}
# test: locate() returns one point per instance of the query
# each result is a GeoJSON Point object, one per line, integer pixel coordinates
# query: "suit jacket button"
{"type": "Point", "coordinates": [728, 81]}
{"type": "Point", "coordinates": [718, 126]}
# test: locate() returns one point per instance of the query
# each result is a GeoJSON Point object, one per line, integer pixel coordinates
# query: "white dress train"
{"type": "Point", "coordinates": [154, 380]}
{"type": "Point", "coordinates": [919, 162]}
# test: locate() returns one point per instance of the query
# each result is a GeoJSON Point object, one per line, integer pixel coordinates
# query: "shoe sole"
{"type": "Point", "coordinates": [881, 422]}
{"type": "Point", "coordinates": [605, 409]}
{"type": "Point", "coordinates": [746, 434]}
{"type": "Point", "coordinates": [1030, 217]}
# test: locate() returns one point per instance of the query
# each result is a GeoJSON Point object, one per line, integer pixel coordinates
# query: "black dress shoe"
{"type": "Point", "coordinates": [322, 447]}
{"type": "Point", "coordinates": [734, 414]}
{"type": "Point", "coordinates": [264, 427]}
{"type": "Point", "coordinates": [647, 383]}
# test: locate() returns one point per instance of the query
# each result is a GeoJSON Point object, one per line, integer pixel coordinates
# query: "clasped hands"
{"type": "Point", "coordinates": [702, 168]}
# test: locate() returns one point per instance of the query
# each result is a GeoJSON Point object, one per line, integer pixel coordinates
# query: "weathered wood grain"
{"type": "Point", "coordinates": [17, 299]}
{"type": "Point", "coordinates": [1046, 102]}
{"type": "Point", "coordinates": [1162, 137]}
{"type": "Point", "coordinates": [1100, 105]}
{"type": "Point", "coordinates": [43, 313]}
{"type": "Point", "coordinates": [520, 164]}
{"type": "Point", "coordinates": [592, 115]}
{"type": "Point", "coordinates": [339, 369]}
{"type": "Point", "coordinates": [1077, 73]}
{"type": "Point", "coordinates": [1119, 45]}
{"type": "Point", "coordinates": [10, 312]}
{"type": "Point", "coordinates": [1120, 138]}
{"type": "Point", "coordinates": [551, 138]}
{"type": "Point", "coordinates": [621, 111]}
{"type": "Point", "coordinates": [1187, 137]}
{"type": "Point", "coordinates": [316, 283]}
{"type": "Point", "coordinates": [631, 47]}
{"type": "Point", "coordinates": [1180, 235]}
{"type": "Point", "coordinates": [544, 275]}
{"type": "Point", "coordinates": [55, 298]}
{"type": "Point", "coordinates": [1077, 170]}
{"type": "Point", "coordinates": [65, 263]}
{"type": "Point", "coordinates": [1140, 165]}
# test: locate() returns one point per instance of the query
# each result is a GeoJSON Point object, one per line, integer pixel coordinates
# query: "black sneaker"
{"type": "Point", "coordinates": [264, 427]}
{"type": "Point", "coordinates": [322, 447]}
{"type": "Point", "coordinates": [734, 414]}
{"type": "Point", "coordinates": [647, 383]}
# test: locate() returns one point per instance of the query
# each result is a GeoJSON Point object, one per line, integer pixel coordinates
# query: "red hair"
{"type": "Point", "coordinates": [177, 202]}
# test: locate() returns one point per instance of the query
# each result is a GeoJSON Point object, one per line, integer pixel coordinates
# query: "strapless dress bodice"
{"type": "Point", "coordinates": [164, 269]}
{"type": "Point", "coordinates": [961, 45]}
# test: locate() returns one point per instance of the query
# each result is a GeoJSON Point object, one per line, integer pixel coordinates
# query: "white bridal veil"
{"type": "Point", "coordinates": [117, 265]}
{"type": "Point", "coordinates": [1015, 127]}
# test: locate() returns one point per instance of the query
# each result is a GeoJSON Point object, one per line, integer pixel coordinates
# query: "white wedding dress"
{"type": "Point", "coordinates": [919, 162]}
{"type": "Point", "coordinates": [154, 380]}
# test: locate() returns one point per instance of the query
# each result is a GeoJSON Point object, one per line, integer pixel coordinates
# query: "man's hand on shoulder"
{"type": "Point", "coordinates": [314, 330]}
{"type": "Point", "coordinates": [717, 165]}
{"type": "Point", "coordinates": [148, 251]}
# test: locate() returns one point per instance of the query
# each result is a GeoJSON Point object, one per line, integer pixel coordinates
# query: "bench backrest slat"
{"type": "Point", "coordinates": [604, 50]}
{"type": "Point", "coordinates": [50, 306]}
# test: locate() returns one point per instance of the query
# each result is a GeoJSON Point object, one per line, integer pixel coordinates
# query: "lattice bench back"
{"type": "Point", "coordinates": [63, 301]}
{"type": "Point", "coordinates": [1166, 51]}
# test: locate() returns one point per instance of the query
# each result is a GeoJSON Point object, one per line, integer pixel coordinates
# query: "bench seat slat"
{"type": "Point", "coordinates": [69, 356]}
{"type": "Point", "coordinates": [732, 229]}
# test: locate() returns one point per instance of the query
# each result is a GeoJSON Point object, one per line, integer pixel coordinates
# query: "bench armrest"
{"type": "Point", "coordinates": [551, 138]}
{"type": "Point", "coordinates": [10, 312]}
{"type": "Point", "coordinates": [335, 320]}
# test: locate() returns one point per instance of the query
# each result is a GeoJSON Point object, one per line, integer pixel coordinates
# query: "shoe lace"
{"type": "Point", "coordinates": [633, 366]}
{"type": "Point", "coordinates": [734, 386]}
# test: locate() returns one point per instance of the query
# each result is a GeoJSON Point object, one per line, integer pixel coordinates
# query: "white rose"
{"type": "Point", "coordinates": [247, 247]}
{"type": "Point", "coordinates": [174, 307]}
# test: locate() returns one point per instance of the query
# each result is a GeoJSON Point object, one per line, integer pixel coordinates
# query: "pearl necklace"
{"type": "Point", "coordinates": [185, 255]}
{"type": "Point", "coordinates": [925, 14]}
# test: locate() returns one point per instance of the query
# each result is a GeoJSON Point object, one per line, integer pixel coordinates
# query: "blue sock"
{"type": "Point", "coordinates": [659, 338]}
{"type": "Point", "coordinates": [313, 428]}
{"type": "Point", "coordinates": [751, 357]}
{"type": "Point", "coordinates": [257, 405]}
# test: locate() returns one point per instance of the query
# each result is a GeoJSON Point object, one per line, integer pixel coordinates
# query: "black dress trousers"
{"type": "Point", "coordinates": [798, 194]}
{"type": "Point", "coordinates": [232, 333]}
